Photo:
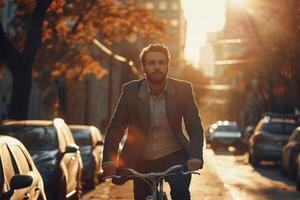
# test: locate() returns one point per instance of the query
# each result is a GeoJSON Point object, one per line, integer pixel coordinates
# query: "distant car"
{"type": "Point", "coordinates": [90, 143]}
{"type": "Point", "coordinates": [270, 135]}
{"type": "Point", "coordinates": [54, 152]}
{"type": "Point", "coordinates": [19, 177]}
{"type": "Point", "coordinates": [224, 134]}
{"type": "Point", "coordinates": [289, 154]}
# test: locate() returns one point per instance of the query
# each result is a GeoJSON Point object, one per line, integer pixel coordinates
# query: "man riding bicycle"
{"type": "Point", "coordinates": [152, 109]}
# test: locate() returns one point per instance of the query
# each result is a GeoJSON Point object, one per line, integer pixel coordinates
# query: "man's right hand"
{"type": "Point", "coordinates": [109, 169]}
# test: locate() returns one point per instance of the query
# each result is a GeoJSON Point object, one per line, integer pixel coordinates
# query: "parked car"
{"type": "Point", "coordinates": [270, 135]}
{"type": "Point", "coordinates": [298, 172]}
{"type": "Point", "coordinates": [224, 134]}
{"type": "Point", "coordinates": [90, 143]}
{"type": "Point", "coordinates": [19, 177]}
{"type": "Point", "coordinates": [54, 152]}
{"type": "Point", "coordinates": [289, 154]}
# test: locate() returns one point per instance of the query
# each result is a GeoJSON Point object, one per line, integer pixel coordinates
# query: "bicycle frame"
{"type": "Point", "coordinates": [154, 179]}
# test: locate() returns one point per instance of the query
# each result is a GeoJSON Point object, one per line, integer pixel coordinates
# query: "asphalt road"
{"type": "Point", "coordinates": [224, 177]}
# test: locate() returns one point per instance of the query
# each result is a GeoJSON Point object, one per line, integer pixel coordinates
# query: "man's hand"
{"type": "Point", "coordinates": [194, 164]}
{"type": "Point", "coordinates": [109, 169]}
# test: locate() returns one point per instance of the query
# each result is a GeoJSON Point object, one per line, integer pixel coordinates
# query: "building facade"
{"type": "Point", "coordinates": [172, 13]}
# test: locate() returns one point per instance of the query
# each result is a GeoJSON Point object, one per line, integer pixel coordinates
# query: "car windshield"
{"type": "Point", "coordinates": [34, 138]}
{"type": "Point", "coordinates": [82, 137]}
{"type": "Point", "coordinates": [227, 128]}
{"type": "Point", "coordinates": [279, 128]}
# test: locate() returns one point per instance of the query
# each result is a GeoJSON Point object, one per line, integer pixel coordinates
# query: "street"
{"type": "Point", "coordinates": [224, 177]}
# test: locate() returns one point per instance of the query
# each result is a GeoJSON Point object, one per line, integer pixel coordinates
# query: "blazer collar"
{"type": "Point", "coordinates": [144, 89]}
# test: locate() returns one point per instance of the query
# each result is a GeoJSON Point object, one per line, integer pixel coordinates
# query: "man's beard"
{"type": "Point", "coordinates": [155, 79]}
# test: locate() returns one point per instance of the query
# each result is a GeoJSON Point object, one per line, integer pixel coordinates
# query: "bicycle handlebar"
{"type": "Point", "coordinates": [173, 170]}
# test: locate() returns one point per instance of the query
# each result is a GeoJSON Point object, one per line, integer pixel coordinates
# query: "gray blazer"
{"type": "Point", "coordinates": [132, 112]}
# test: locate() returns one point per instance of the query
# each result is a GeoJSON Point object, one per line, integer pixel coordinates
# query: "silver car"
{"type": "Point", "coordinates": [269, 137]}
{"type": "Point", "coordinates": [224, 134]}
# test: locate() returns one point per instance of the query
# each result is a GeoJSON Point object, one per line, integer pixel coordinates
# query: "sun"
{"type": "Point", "coordinates": [202, 17]}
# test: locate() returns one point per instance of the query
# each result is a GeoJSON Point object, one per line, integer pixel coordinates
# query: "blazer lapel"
{"type": "Point", "coordinates": [143, 105]}
{"type": "Point", "coordinates": [171, 101]}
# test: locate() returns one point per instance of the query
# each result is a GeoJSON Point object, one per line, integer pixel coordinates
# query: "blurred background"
{"type": "Point", "coordinates": [69, 58]}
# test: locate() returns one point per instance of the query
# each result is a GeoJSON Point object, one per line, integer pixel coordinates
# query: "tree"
{"type": "Point", "coordinates": [279, 35]}
{"type": "Point", "coordinates": [70, 25]}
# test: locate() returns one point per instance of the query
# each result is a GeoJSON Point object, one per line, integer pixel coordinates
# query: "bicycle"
{"type": "Point", "coordinates": [153, 179]}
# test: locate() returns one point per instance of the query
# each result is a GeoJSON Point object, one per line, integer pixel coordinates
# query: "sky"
{"type": "Point", "coordinates": [202, 16]}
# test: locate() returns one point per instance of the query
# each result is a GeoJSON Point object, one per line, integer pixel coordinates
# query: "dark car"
{"type": "Point", "coordinates": [54, 152]}
{"type": "Point", "coordinates": [289, 154]}
{"type": "Point", "coordinates": [270, 135]}
{"type": "Point", "coordinates": [19, 177]}
{"type": "Point", "coordinates": [90, 143]}
{"type": "Point", "coordinates": [224, 134]}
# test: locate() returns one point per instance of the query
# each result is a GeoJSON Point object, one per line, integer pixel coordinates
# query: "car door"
{"type": "Point", "coordinates": [25, 167]}
{"type": "Point", "coordinates": [71, 160]}
{"type": "Point", "coordinates": [11, 168]}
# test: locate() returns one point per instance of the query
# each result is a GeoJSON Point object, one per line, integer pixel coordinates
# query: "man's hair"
{"type": "Point", "coordinates": [154, 48]}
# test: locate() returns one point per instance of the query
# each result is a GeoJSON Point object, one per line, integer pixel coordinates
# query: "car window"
{"type": "Point", "coordinates": [279, 128]}
{"type": "Point", "coordinates": [7, 165]}
{"type": "Point", "coordinates": [21, 160]}
{"type": "Point", "coordinates": [34, 137]}
{"type": "Point", "coordinates": [82, 137]}
{"type": "Point", "coordinates": [229, 128]}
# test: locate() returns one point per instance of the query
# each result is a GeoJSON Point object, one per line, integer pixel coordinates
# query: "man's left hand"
{"type": "Point", "coordinates": [194, 164]}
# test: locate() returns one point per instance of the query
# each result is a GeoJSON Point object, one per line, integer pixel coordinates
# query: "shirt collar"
{"type": "Point", "coordinates": [165, 88]}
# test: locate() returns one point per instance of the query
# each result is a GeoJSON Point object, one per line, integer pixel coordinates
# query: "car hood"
{"type": "Point", "coordinates": [227, 134]}
{"type": "Point", "coordinates": [43, 156]}
{"type": "Point", "coordinates": [276, 137]}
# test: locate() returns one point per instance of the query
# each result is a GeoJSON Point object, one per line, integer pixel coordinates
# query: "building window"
{"type": "Point", "coordinates": [163, 5]}
{"type": "Point", "coordinates": [174, 6]}
{"type": "Point", "coordinates": [174, 22]}
{"type": "Point", "coordinates": [149, 5]}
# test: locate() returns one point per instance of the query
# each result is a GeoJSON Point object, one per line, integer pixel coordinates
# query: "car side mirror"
{"type": "Point", "coordinates": [71, 149]}
{"type": "Point", "coordinates": [99, 143]}
{"type": "Point", "coordinates": [20, 181]}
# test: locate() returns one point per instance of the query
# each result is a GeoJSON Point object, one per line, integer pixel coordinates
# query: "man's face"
{"type": "Point", "coordinates": [156, 67]}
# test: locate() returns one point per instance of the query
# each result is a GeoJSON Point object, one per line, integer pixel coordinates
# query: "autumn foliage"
{"type": "Point", "coordinates": [52, 38]}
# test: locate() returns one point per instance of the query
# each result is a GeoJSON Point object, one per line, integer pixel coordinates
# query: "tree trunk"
{"type": "Point", "coordinates": [20, 64]}
{"type": "Point", "coordinates": [20, 96]}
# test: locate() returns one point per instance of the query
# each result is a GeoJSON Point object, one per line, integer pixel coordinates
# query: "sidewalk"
{"type": "Point", "coordinates": [207, 186]}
